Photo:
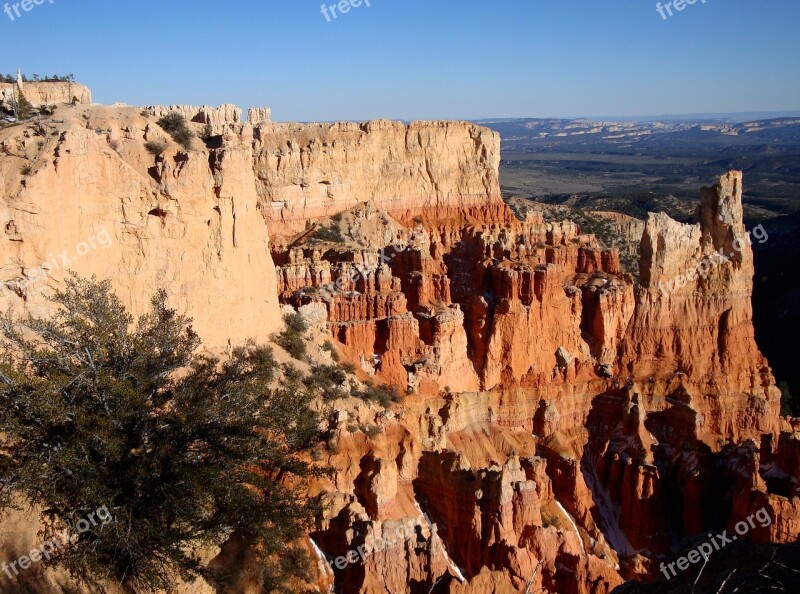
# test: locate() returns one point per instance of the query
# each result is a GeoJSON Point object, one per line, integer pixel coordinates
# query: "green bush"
{"type": "Point", "coordinates": [384, 394]}
{"type": "Point", "coordinates": [25, 109]}
{"type": "Point", "coordinates": [174, 124]}
{"type": "Point", "coordinates": [371, 431]}
{"type": "Point", "coordinates": [329, 346]}
{"type": "Point", "coordinates": [296, 323]}
{"type": "Point", "coordinates": [292, 339]}
{"type": "Point", "coordinates": [331, 234]}
{"type": "Point", "coordinates": [183, 450]}
{"type": "Point", "coordinates": [328, 381]}
{"type": "Point", "coordinates": [155, 147]}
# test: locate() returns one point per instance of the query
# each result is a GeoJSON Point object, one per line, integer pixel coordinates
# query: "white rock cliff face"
{"type": "Point", "coordinates": [90, 198]}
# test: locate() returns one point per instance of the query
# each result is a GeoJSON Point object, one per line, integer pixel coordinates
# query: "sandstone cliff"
{"type": "Point", "coordinates": [212, 116]}
{"type": "Point", "coordinates": [46, 93]}
{"type": "Point", "coordinates": [83, 194]}
{"type": "Point", "coordinates": [309, 171]}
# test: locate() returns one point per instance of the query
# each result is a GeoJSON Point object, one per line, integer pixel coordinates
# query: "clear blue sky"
{"type": "Point", "coordinates": [420, 59]}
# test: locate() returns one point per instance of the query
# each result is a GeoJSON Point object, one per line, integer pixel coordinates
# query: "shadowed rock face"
{"type": "Point", "coordinates": [741, 567]}
{"type": "Point", "coordinates": [563, 429]}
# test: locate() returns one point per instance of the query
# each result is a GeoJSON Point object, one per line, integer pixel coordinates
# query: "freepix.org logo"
{"type": "Point", "coordinates": [331, 12]}
{"type": "Point", "coordinates": [665, 10]}
{"type": "Point", "coordinates": [16, 9]}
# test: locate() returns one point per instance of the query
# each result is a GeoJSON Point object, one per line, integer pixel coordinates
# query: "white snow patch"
{"type": "Point", "coordinates": [324, 566]}
{"type": "Point", "coordinates": [450, 563]}
{"type": "Point", "coordinates": [574, 525]}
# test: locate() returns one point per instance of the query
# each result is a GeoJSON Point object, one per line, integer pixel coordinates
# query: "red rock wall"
{"type": "Point", "coordinates": [587, 421]}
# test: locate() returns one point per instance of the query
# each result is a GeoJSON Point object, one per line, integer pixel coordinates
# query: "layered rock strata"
{"type": "Point", "coordinates": [86, 196]}
{"type": "Point", "coordinates": [558, 416]}
{"type": "Point", "coordinates": [306, 172]}
{"type": "Point", "coordinates": [223, 115]}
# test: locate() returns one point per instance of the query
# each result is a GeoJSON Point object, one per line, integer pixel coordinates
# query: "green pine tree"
{"type": "Point", "coordinates": [182, 449]}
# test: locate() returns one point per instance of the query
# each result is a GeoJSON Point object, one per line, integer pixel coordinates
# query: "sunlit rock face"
{"type": "Point", "coordinates": [84, 194]}
{"type": "Point", "coordinates": [558, 416]}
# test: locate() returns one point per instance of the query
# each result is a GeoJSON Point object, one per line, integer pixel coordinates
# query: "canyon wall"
{"type": "Point", "coordinates": [562, 427]}
{"type": "Point", "coordinates": [557, 415]}
{"type": "Point", "coordinates": [82, 193]}
{"type": "Point", "coordinates": [305, 172]}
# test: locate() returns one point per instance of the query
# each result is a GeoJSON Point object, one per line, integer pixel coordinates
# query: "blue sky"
{"type": "Point", "coordinates": [420, 59]}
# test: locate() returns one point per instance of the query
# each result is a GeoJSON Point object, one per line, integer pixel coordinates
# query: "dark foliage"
{"type": "Point", "coordinates": [328, 380]}
{"type": "Point", "coordinates": [384, 394]}
{"type": "Point", "coordinates": [292, 339]}
{"type": "Point", "coordinates": [183, 450]}
{"type": "Point", "coordinates": [154, 147]}
{"type": "Point", "coordinates": [174, 124]}
{"type": "Point", "coordinates": [330, 234]}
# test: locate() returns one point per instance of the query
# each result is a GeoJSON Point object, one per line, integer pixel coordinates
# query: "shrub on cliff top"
{"type": "Point", "coordinates": [330, 234]}
{"type": "Point", "coordinates": [174, 124]}
{"type": "Point", "coordinates": [329, 380]}
{"type": "Point", "coordinates": [182, 450]}
{"type": "Point", "coordinates": [25, 109]}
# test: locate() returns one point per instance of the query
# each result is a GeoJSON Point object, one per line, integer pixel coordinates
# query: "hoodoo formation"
{"type": "Point", "coordinates": [562, 427]}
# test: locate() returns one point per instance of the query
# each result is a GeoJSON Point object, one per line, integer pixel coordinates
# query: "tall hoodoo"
{"type": "Point", "coordinates": [693, 323]}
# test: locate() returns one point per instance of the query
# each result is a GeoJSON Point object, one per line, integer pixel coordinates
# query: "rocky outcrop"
{"type": "Point", "coordinates": [473, 307]}
{"type": "Point", "coordinates": [306, 172]}
{"type": "Point", "coordinates": [223, 115]}
{"type": "Point", "coordinates": [259, 115]}
{"type": "Point", "coordinates": [692, 329]}
{"type": "Point", "coordinates": [622, 416]}
{"type": "Point", "coordinates": [46, 93]}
